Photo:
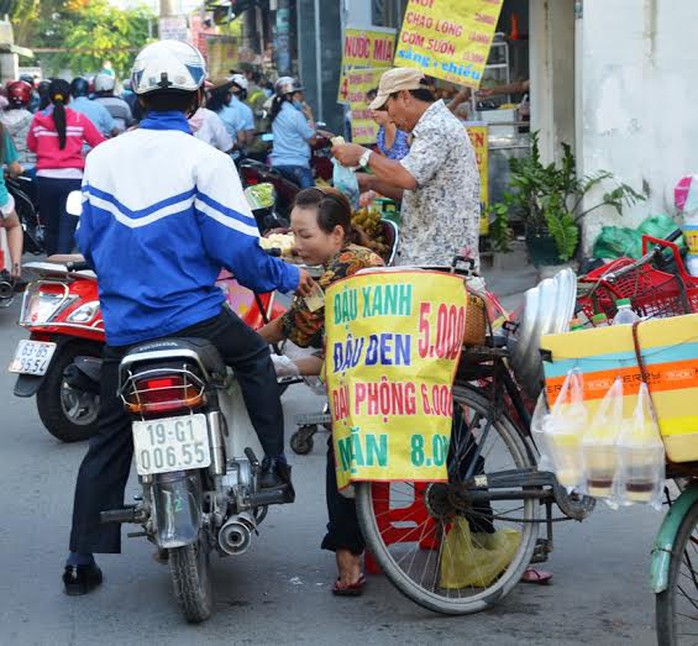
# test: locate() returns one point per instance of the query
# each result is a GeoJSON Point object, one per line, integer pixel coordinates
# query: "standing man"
{"type": "Point", "coordinates": [437, 181]}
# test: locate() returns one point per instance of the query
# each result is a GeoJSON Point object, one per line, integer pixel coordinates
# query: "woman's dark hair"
{"type": "Point", "coordinates": [217, 98]}
{"type": "Point", "coordinates": [169, 100]}
{"type": "Point", "coordinates": [59, 95]}
{"type": "Point", "coordinates": [276, 105]}
{"type": "Point", "coordinates": [333, 208]}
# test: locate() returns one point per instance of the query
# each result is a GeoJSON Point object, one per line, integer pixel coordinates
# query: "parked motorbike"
{"type": "Point", "coordinates": [61, 311]}
{"type": "Point", "coordinates": [196, 458]}
{"type": "Point", "coordinates": [60, 362]}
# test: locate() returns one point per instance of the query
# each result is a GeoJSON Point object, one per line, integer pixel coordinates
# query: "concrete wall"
{"type": "Point", "coordinates": [637, 111]}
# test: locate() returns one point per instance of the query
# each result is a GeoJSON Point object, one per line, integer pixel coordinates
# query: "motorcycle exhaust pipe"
{"type": "Point", "coordinates": [6, 290]}
{"type": "Point", "coordinates": [235, 537]}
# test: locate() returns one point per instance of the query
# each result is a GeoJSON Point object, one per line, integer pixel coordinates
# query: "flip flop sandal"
{"type": "Point", "coordinates": [352, 590]}
{"type": "Point", "coordinates": [533, 575]}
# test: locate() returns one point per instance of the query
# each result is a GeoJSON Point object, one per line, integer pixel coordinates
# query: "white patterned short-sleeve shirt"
{"type": "Point", "coordinates": [441, 217]}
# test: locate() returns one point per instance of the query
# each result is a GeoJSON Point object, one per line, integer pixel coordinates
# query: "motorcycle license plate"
{"type": "Point", "coordinates": [32, 357]}
{"type": "Point", "coordinates": [171, 444]}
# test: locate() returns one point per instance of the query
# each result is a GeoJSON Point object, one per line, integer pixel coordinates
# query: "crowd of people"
{"type": "Point", "coordinates": [47, 128]}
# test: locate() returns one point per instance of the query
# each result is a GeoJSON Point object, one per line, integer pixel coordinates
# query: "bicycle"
{"type": "Point", "coordinates": [436, 542]}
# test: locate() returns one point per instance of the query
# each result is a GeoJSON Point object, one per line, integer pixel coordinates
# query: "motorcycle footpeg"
{"type": "Point", "coordinates": [254, 462]}
{"type": "Point", "coordinates": [276, 496]}
{"type": "Point", "coordinates": [130, 514]}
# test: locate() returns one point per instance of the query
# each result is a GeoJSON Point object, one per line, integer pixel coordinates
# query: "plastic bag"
{"type": "Point", "coordinates": [564, 429]}
{"type": "Point", "coordinates": [475, 559]}
{"type": "Point", "coordinates": [540, 412]}
{"type": "Point", "coordinates": [599, 449]}
{"type": "Point", "coordinates": [344, 180]}
{"type": "Point", "coordinates": [641, 453]}
{"type": "Point", "coordinates": [624, 242]}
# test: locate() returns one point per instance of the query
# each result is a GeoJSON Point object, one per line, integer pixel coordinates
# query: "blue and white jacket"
{"type": "Point", "coordinates": [162, 213]}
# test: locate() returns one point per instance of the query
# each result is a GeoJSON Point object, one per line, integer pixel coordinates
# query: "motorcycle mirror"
{"type": "Point", "coordinates": [74, 203]}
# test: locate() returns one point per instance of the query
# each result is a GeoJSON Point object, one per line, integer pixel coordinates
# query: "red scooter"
{"type": "Point", "coordinates": [60, 361]}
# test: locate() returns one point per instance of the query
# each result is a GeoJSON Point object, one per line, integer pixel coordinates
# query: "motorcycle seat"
{"type": "Point", "coordinates": [207, 353]}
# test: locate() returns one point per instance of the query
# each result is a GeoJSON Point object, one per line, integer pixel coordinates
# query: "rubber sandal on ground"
{"type": "Point", "coordinates": [349, 590]}
{"type": "Point", "coordinates": [533, 575]}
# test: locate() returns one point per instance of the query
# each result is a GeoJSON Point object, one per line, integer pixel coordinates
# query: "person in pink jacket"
{"type": "Point", "coordinates": [57, 136]}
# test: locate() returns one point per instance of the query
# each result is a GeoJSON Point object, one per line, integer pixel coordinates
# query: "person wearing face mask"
{"type": "Point", "coordinates": [293, 134]}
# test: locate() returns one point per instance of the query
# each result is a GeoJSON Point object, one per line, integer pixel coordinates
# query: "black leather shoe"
{"type": "Point", "coordinates": [81, 579]}
{"type": "Point", "coordinates": [276, 474]}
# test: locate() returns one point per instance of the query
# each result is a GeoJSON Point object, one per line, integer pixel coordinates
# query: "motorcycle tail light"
{"type": "Point", "coordinates": [163, 393]}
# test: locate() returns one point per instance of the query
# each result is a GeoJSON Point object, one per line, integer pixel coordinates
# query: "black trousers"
{"type": "Point", "coordinates": [60, 225]}
{"type": "Point", "coordinates": [343, 526]}
{"type": "Point", "coordinates": [105, 469]}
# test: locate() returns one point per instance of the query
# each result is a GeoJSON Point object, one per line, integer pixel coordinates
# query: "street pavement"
{"type": "Point", "coordinates": [279, 592]}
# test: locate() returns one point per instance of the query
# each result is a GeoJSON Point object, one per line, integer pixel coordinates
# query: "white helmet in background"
{"type": "Point", "coordinates": [168, 65]}
{"type": "Point", "coordinates": [104, 82]}
{"type": "Point", "coordinates": [287, 85]}
{"type": "Point", "coordinates": [240, 81]}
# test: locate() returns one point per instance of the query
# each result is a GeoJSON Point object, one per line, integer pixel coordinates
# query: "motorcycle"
{"type": "Point", "coordinates": [253, 170]}
{"type": "Point", "coordinates": [60, 362]}
{"type": "Point", "coordinates": [196, 458]}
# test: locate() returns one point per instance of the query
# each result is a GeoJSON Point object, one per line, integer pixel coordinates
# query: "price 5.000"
{"type": "Point", "coordinates": [446, 342]}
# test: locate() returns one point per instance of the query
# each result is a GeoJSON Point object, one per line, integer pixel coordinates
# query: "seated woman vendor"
{"type": "Point", "coordinates": [321, 223]}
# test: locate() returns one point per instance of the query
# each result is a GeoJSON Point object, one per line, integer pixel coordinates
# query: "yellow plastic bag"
{"type": "Point", "coordinates": [475, 559]}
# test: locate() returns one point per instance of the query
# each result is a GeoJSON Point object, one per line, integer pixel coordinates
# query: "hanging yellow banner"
{"type": "Point", "coordinates": [363, 128]}
{"type": "Point", "coordinates": [368, 48]}
{"type": "Point", "coordinates": [448, 39]}
{"type": "Point", "coordinates": [478, 138]}
{"type": "Point", "coordinates": [393, 344]}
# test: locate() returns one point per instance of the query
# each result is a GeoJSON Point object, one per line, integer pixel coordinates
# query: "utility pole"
{"type": "Point", "coordinates": [283, 38]}
{"type": "Point", "coordinates": [166, 8]}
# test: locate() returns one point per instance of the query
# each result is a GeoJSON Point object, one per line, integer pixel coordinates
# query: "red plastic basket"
{"type": "Point", "coordinates": [652, 292]}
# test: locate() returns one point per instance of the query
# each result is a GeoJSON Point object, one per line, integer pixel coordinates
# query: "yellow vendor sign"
{"type": "Point", "coordinates": [393, 344]}
{"type": "Point", "coordinates": [448, 39]}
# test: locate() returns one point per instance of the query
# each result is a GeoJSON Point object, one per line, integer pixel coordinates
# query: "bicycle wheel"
{"type": "Point", "coordinates": [445, 556]}
{"type": "Point", "coordinates": [677, 606]}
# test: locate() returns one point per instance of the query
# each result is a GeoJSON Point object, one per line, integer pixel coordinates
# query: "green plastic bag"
{"type": "Point", "coordinates": [623, 242]}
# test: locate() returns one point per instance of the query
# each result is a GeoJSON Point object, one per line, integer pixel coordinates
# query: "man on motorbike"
{"type": "Point", "coordinates": [16, 120]}
{"type": "Point", "coordinates": [117, 107]}
{"type": "Point", "coordinates": [162, 213]}
{"type": "Point", "coordinates": [95, 112]}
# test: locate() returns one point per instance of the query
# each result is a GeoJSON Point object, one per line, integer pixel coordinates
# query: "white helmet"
{"type": "Point", "coordinates": [240, 81]}
{"type": "Point", "coordinates": [168, 65]}
{"type": "Point", "coordinates": [104, 82]}
{"type": "Point", "coordinates": [287, 85]}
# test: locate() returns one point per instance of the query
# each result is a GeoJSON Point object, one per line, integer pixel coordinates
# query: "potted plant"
{"type": "Point", "coordinates": [548, 198]}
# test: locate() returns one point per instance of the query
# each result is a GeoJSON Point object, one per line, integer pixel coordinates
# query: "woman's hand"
{"type": "Point", "coordinates": [305, 284]}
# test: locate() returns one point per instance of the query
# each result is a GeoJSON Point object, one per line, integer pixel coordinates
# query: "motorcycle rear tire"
{"type": "Point", "coordinates": [190, 570]}
{"type": "Point", "coordinates": [48, 398]}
